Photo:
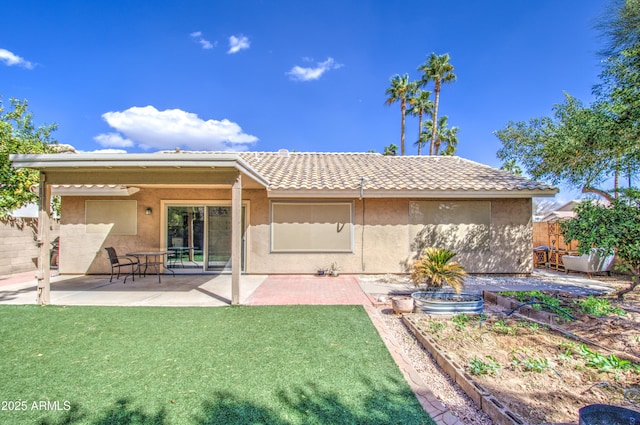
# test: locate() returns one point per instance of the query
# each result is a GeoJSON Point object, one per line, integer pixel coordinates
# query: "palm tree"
{"type": "Point", "coordinates": [435, 268]}
{"type": "Point", "coordinates": [448, 136]}
{"type": "Point", "coordinates": [391, 150]}
{"type": "Point", "coordinates": [420, 105]}
{"type": "Point", "coordinates": [400, 90]}
{"type": "Point", "coordinates": [450, 139]}
{"type": "Point", "coordinates": [440, 71]}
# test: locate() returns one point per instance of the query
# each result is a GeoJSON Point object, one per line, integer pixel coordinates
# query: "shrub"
{"type": "Point", "coordinates": [435, 269]}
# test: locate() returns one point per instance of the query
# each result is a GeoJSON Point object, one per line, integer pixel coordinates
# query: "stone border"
{"type": "Point", "coordinates": [497, 411]}
{"type": "Point", "coordinates": [440, 414]}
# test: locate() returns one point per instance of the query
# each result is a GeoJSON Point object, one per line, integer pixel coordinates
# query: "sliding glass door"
{"type": "Point", "coordinates": [199, 237]}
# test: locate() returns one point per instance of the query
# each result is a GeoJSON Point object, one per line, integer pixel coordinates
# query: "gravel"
{"type": "Point", "coordinates": [436, 379]}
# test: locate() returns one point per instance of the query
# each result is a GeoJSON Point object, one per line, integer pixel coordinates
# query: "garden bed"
{"type": "Point", "coordinates": [521, 372]}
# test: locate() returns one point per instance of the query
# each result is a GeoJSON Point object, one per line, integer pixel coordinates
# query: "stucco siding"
{"type": "Point", "coordinates": [381, 235]}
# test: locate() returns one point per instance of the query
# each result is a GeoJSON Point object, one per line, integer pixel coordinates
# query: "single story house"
{"type": "Point", "coordinates": [288, 212]}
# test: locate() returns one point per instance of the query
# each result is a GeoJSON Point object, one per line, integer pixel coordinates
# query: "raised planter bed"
{"type": "Point", "coordinates": [516, 395]}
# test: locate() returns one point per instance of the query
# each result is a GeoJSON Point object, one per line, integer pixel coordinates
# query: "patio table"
{"type": "Point", "coordinates": [179, 252]}
{"type": "Point", "coordinates": [151, 258]}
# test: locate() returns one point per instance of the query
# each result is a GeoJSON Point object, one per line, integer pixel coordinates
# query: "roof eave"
{"type": "Point", "coordinates": [46, 162]}
{"type": "Point", "coordinates": [385, 193]}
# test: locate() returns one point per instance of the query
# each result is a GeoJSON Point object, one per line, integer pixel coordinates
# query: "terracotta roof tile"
{"type": "Point", "coordinates": [341, 171]}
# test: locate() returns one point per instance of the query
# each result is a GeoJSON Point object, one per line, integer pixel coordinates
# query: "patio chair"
{"type": "Point", "coordinates": [118, 263]}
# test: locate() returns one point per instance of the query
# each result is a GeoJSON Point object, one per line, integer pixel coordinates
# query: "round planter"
{"type": "Point", "coordinates": [600, 414]}
{"type": "Point", "coordinates": [447, 302]}
{"type": "Point", "coordinates": [402, 305]}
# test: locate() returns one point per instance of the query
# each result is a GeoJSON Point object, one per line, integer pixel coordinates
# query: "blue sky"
{"type": "Point", "coordinates": [142, 76]}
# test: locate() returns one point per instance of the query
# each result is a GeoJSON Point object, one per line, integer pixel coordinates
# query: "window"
{"type": "Point", "coordinates": [311, 227]}
{"type": "Point", "coordinates": [113, 217]}
{"type": "Point", "coordinates": [461, 226]}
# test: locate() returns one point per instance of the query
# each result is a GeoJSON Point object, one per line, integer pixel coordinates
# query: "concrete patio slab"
{"type": "Point", "coordinates": [181, 290]}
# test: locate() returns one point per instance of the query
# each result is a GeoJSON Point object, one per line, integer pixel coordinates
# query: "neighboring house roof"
{"type": "Point", "coordinates": [558, 216]}
{"type": "Point", "coordinates": [298, 174]}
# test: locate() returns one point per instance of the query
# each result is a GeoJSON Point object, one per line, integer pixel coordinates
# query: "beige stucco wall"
{"type": "Point", "coordinates": [381, 236]}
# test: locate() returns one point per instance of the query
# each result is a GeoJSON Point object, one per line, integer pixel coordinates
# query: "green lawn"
{"type": "Point", "coordinates": [248, 365]}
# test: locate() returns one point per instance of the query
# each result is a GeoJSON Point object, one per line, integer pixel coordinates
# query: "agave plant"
{"type": "Point", "coordinates": [435, 269]}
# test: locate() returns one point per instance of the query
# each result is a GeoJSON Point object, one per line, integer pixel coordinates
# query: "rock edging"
{"type": "Point", "coordinates": [497, 411]}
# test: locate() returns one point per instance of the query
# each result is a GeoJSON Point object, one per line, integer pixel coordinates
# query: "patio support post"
{"type": "Point", "coordinates": [43, 275]}
{"type": "Point", "coordinates": [236, 238]}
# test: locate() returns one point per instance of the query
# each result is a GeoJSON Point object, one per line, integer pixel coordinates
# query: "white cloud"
{"type": "Point", "coordinates": [113, 140]}
{"type": "Point", "coordinates": [299, 73]}
{"type": "Point", "coordinates": [197, 37]}
{"type": "Point", "coordinates": [10, 59]}
{"type": "Point", "coordinates": [171, 128]}
{"type": "Point", "coordinates": [238, 43]}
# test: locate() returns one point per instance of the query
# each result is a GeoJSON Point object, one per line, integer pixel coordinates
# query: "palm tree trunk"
{"type": "Point", "coordinates": [434, 130]}
{"type": "Point", "coordinates": [403, 109]}
{"type": "Point", "coordinates": [420, 134]}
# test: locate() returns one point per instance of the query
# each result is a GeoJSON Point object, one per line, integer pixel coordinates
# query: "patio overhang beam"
{"type": "Point", "coordinates": [156, 176]}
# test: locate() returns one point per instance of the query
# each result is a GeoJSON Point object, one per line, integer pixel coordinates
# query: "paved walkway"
{"type": "Point", "coordinates": [215, 290]}
{"type": "Point", "coordinates": [285, 290]}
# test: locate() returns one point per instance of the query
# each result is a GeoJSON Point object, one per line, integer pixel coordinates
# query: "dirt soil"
{"type": "Point", "coordinates": [541, 375]}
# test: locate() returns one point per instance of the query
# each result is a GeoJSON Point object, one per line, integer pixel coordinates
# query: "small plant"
{"type": "Point", "coordinates": [436, 326]}
{"type": "Point", "coordinates": [501, 327]}
{"type": "Point", "coordinates": [535, 365]}
{"type": "Point", "coordinates": [530, 325]}
{"type": "Point", "coordinates": [334, 268]}
{"type": "Point", "coordinates": [599, 307]}
{"type": "Point", "coordinates": [565, 357]}
{"type": "Point", "coordinates": [530, 364]}
{"type": "Point", "coordinates": [605, 363]}
{"type": "Point", "coordinates": [538, 301]}
{"type": "Point", "coordinates": [435, 268]}
{"type": "Point", "coordinates": [460, 320]}
{"type": "Point", "coordinates": [478, 367]}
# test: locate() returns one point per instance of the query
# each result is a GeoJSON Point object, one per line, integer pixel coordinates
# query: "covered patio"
{"type": "Point", "coordinates": [203, 290]}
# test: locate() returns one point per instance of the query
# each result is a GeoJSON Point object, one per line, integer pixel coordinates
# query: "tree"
{"type": "Point", "coordinates": [400, 91]}
{"type": "Point", "coordinates": [19, 135]}
{"type": "Point", "coordinates": [578, 146]}
{"type": "Point", "coordinates": [440, 71]}
{"type": "Point", "coordinates": [619, 90]}
{"type": "Point", "coordinates": [586, 146]}
{"type": "Point", "coordinates": [614, 228]}
{"type": "Point", "coordinates": [420, 105]}
{"type": "Point", "coordinates": [391, 150]}
{"type": "Point", "coordinates": [448, 136]}
{"type": "Point", "coordinates": [512, 167]}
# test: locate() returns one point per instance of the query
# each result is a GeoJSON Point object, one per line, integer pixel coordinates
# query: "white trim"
{"type": "Point", "coordinates": [147, 160]}
{"type": "Point", "coordinates": [93, 190]}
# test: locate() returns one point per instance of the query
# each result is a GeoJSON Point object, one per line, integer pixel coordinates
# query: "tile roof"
{"type": "Point", "coordinates": [343, 171]}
